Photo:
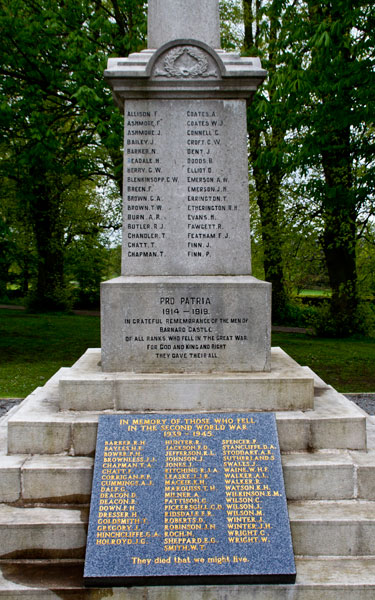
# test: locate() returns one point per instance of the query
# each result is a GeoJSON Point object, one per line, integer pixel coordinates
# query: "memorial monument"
{"type": "Point", "coordinates": [186, 335]}
{"type": "Point", "coordinates": [186, 325]}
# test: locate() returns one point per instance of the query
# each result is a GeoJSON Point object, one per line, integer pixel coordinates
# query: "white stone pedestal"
{"type": "Point", "coordinates": [186, 324]}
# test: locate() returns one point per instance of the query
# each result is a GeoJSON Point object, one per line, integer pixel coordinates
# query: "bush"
{"type": "Point", "coordinates": [60, 300]}
{"type": "Point", "coordinates": [326, 324]}
{"type": "Point", "coordinates": [296, 314]}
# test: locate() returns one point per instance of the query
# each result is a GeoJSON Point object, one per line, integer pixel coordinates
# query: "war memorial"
{"type": "Point", "coordinates": [215, 466]}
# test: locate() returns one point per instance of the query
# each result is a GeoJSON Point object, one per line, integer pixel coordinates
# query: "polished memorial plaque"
{"type": "Point", "coordinates": [187, 499]}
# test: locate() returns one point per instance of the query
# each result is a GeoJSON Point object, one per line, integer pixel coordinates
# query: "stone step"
{"type": "Point", "coordinates": [39, 427]}
{"type": "Point", "coordinates": [333, 528]}
{"type": "Point", "coordinates": [44, 479]}
{"type": "Point", "coordinates": [33, 533]}
{"type": "Point", "coordinates": [331, 579]}
{"type": "Point", "coordinates": [326, 475]}
{"type": "Point", "coordinates": [286, 387]}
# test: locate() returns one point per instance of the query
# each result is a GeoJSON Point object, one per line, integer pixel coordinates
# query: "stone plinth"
{"type": "Point", "coordinates": [186, 324]}
{"type": "Point", "coordinates": [186, 301]}
{"type": "Point", "coordinates": [287, 386]}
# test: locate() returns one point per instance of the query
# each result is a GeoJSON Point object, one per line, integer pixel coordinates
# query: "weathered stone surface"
{"type": "Point", "coordinates": [57, 479]}
{"type": "Point", "coordinates": [229, 76]}
{"type": "Point", "coordinates": [322, 475]}
{"type": "Point", "coordinates": [365, 467]}
{"type": "Point", "coordinates": [41, 532]}
{"type": "Point", "coordinates": [186, 324]}
{"type": "Point", "coordinates": [319, 476]}
{"type": "Point", "coordinates": [10, 477]}
{"type": "Point", "coordinates": [328, 578]}
{"type": "Point", "coordinates": [341, 528]}
{"type": "Point", "coordinates": [186, 204]}
{"type": "Point", "coordinates": [335, 423]}
{"type": "Point", "coordinates": [286, 387]}
{"type": "Point", "coordinates": [186, 301]}
{"type": "Point", "coordinates": [174, 19]}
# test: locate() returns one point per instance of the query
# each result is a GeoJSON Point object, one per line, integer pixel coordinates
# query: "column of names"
{"type": "Point", "coordinates": [125, 469]}
{"type": "Point", "coordinates": [246, 476]}
{"type": "Point", "coordinates": [182, 205]}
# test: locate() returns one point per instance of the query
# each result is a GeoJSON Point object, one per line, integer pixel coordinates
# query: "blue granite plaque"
{"type": "Point", "coordinates": [187, 499]}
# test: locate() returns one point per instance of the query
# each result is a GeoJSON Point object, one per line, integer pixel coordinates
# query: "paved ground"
{"type": "Point", "coordinates": [365, 401]}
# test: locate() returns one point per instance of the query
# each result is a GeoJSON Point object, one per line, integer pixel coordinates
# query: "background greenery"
{"type": "Point", "coordinates": [311, 147]}
{"type": "Point", "coordinates": [34, 346]}
{"type": "Point", "coordinates": [311, 151]}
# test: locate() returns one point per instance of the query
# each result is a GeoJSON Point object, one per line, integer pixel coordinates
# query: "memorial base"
{"type": "Point", "coordinates": [45, 484]}
{"type": "Point", "coordinates": [286, 387]}
{"type": "Point", "coordinates": [189, 324]}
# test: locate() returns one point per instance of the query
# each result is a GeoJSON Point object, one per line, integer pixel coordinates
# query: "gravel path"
{"type": "Point", "coordinates": [365, 401]}
{"type": "Point", "coordinates": [8, 403]}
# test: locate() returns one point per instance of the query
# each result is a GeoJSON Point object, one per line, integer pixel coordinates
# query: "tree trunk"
{"type": "Point", "coordinates": [339, 236]}
{"type": "Point", "coordinates": [268, 198]}
{"type": "Point", "coordinates": [267, 180]}
{"type": "Point", "coordinates": [50, 293]}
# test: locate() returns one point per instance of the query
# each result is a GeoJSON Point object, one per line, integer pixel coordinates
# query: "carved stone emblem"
{"type": "Point", "coordinates": [186, 62]}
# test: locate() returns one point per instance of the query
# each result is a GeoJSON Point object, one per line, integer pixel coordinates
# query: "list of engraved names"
{"type": "Point", "coordinates": [180, 191]}
{"type": "Point", "coordinates": [187, 489]}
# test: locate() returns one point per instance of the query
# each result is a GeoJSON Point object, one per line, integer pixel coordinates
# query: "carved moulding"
{"type": "Point", "coordinates": [183, 68]}
{"type": "Point", "coordinates": [185, 62]}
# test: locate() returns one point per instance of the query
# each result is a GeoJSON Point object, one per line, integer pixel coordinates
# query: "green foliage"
{"type": "Point", "coordinates": [58, 130]}
{"type": "Point", "coordinates": [296, 314]}
{"type": "Point", "coordinates": [267, 128]}
{"type": "Point", "coordinates": [331, 90]}
{"type": "Point", "coordinates": [231, 24]}
{"type": "Point", "coordinates": [6, 247]}
{"type": "Point", "coordinates": [326, 324]}
{"type": "Point", "coordinates": [87, 265]}
{"type": "Point", "coordinates": [312, 145]}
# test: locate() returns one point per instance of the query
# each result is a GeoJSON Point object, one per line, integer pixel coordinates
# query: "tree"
{"type": "Point", "coordinates": [58, 125]}
{"type": "Point", "coordinates": [312, 121]}
{"type": "Point", "coordinates": [267, 128]}
{"type": "Point", "coordinates": [332, 88]}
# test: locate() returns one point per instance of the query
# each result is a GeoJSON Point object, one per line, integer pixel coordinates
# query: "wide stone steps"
{"type": "Point", "coordinates": [320, 528]}
{"type": "Point", "coordinates": [317, 579]}
{"type": "Point", "coordinates": [323, 475]}
{"type": "Point", "coordinates": [39, 427]}
{"type": "Point", "coordinates": [45, 484]}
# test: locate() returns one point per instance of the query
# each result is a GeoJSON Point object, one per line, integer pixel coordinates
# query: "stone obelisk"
{"type": "Point", "coordinates": [186, 300]}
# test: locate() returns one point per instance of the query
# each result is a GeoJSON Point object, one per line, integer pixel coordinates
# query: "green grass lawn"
{"type": "Point", "coordinates": [315, 293]}
{"type": "Point", "coordinates": [346, 364]}
{"type": "Point", "coordinates": [33, 347]}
